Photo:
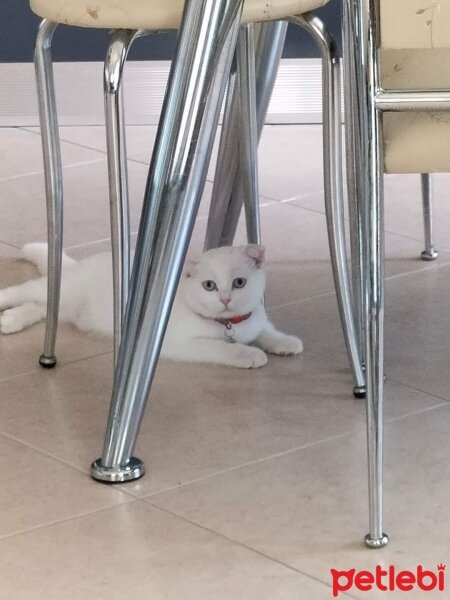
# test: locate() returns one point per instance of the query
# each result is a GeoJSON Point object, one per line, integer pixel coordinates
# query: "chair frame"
{"type": "Point", "coordinates": [368, 100]}
{"type": "Point", "coordinates": [176, 178]}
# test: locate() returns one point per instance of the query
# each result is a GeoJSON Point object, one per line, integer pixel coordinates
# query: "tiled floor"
{"type": "Point", "coordinates": [256, 483]}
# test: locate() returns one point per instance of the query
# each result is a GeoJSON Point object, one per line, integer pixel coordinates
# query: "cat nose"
{"type": "Point", "coordinates": [225, 301]}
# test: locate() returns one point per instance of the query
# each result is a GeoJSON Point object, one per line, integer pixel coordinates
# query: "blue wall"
{"type": "Point", "coordinates": [18, 31]}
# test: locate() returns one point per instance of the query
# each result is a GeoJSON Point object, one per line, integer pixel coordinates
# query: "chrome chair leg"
{"type": "Point", "coordinates": [119, 45]}
{"type": "Point", "coordinates": [333, 192]}
{"type": "Point", "coordinates": [353, 170]}
{"type": "Point", "coordinates": [430, 252]}
{"type": "Point", "coordinates": [228, 192]}
{"type": "Point", "coordinates": [176, 179]}
{"type": "Point", "coordinates": [248, 141]}
{"type": "Point", "coordinates": [369, 146]}
{"type": "Point", "coordinates": [53, 183]}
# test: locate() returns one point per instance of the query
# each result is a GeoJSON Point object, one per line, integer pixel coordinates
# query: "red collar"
{"type": "Point", "coordinates": [235, 320]}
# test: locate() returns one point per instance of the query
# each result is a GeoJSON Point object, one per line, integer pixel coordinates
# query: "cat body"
{"type": "Point", "coordinates": [218, 309]}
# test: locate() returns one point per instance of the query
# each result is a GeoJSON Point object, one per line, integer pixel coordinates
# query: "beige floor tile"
{"type": "Point", "coordinates": [136, 551]}
{"type": "Point", "coordinates": [309, 508]}
{"type": "Point", "coordinates": [20, 352]}
{"type": "Point", "coordinates": [202, 419]}
{"type": "Point", "coordinates": [86, 204]}
{"type": "Point", "coordinates": [140, 142]}
{"type": "Point", "coordinates": [21, 153]}
{"type": "Point", "coordinates": [404, 207]}
{"type": "Point", "coordinates": [290, 161]}
{"type": "Point", "coordinates": [8, 254]}
{"type": "Point", "coordinates": [40, 490]}
{"type": "Point", "coordinates": [417, 329]}
{"type": "Point", "coordinates": [298, 254]}
{"type": "Point", "coordinates": [140, 139]}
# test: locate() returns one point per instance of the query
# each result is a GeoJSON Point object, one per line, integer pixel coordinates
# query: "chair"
{"type": "Point", "coordinates": [177, 173]}
{"type": "Point", "coordinates": [127, 25]}
{"type": "Point", "coordinates": [395, 89]}
{"type": "Point", "coordinates": [176, 178]}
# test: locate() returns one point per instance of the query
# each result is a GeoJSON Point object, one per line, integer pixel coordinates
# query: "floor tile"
{"type": "Point", "coordinates": [21, 153]}
{"type": "Point", "coordinates": [40, 490]}
{"type": "Point", "coordinates": [140, 140]}
{"type": "Point", "coordinates": [136, 551]}
{"type": "Point", "coordinates": [309, 508]}
{"type": "Point", "coordinates": [86, 204]}
{"type": "Point", "coordinates": [404, 207]}
{"type": "Point", "coordinates": [201, 420]}
{"type": "Point", "coordinates": [417, 329]}
{"type": "Point", "coordinates": [290, 161]}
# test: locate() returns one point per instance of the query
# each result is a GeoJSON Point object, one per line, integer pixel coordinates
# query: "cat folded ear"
{"type": "Point", "coordinates": [190, 267]}
{"type": "Point", "coordinates": [256, 253]}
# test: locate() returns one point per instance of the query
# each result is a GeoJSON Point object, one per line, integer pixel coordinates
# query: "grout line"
{"type": "Point", "coordinates": [251, 463]}
{"type": "Point", "coordinates": [62, 520]}
{"type": "Point", "coordinates": [61, 365]}
{"type": "Point", "coordinates": [61, 461]}
{"type": "Point", "coordinates": [414, 389]}
{"type": "Point", "coordinates": [41, 171]}
{"type": "Point", "coordinates": [415, 413]}
{"type": "Point", "coordinates": [99, 150]}
{"type": "Point", "coordinates": [239, 543]}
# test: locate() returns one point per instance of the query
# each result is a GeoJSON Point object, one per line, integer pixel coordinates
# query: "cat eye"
{"type": "Point", "coordinates": [239, 283]}
{"type": "Point", "coordinates": [209, 285]}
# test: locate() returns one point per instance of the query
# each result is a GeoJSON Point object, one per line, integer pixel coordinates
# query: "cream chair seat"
{"type": "Point", "coordinates": [154, 14]}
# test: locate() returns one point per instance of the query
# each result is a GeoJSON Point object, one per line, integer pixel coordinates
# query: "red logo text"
{"type": "Point", "coordinates": [388, 580]}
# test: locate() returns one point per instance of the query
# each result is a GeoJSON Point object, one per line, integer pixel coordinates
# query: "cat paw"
{"type": "Point", "coordinates": [9, 323]}
{"type": "Point", "coordinates": [288, 345]}
{"type": "Point", "coordinates": [249, 357]}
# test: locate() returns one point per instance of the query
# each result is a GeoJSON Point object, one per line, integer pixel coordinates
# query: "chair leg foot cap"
{"type": "Point", "coordinates": [375, 543]}
{"type": "Point", "coordinates": [429, 254]}
{"type": "Point", "coordinates": [359, 391]}
{"type": "Point", "coordinates": [47, 362]}
{"type": "Point", "coordinates": [134, 469]}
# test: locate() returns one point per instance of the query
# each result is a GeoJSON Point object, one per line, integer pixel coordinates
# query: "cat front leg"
{"type": "Point", "coordinates": [218, 352]}
{"type": "Point", "coordinates": [30, 291]}
{"type": "Point", "coordinates": [16, 319]}
{"type": "Point", "coordinates": [275, 342]}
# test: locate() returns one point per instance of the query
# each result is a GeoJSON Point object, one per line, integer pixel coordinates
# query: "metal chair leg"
{"type": "Point", "coordinates": [228, 192]}
{"type": "Point", "coordinates": [174, 187]}
{"type": "Point", "coordinates": [362, 28]}
{"type": "Point", "coordinates": [119, 45]}
{"type": "Point", "coordinates": [430, 252]}
{"type": "Point", "coordinates": [248, 142]}
{"type": "Point", "coordinates": [332, 162]}
{"type": "Point", "coordinates": [353, 170]}
{"type": "Point", "coordinates": [53, 182]}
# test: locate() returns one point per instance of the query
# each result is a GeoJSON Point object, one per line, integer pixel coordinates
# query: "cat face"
{"type": "Point", "coordinates": [225, 281]}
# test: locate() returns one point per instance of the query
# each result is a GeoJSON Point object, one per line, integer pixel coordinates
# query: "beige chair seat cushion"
{"type": "Point", "coordinates": [154, 14]}
{"type": "Point", "coordinates": [416, 142]}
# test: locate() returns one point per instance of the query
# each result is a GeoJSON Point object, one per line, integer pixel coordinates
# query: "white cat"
{"type": "Point", "coordinates": [217, 312]}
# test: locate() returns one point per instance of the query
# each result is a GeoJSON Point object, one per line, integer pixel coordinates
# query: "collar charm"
{"type": "Point", "coordinates": [228, 324]}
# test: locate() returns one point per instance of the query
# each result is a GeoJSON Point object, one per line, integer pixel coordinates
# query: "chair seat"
{"type": "Point", "coordinates": [154, 14]}
{"type": "Point", "coordinates": [416, 142]}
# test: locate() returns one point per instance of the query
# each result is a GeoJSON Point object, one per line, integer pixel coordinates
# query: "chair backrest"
{"type": "Point", "coordinates": [415, 24]}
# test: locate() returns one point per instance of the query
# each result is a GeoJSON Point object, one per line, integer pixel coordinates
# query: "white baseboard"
{"type": "Point", "coordinates": [297, 96]}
